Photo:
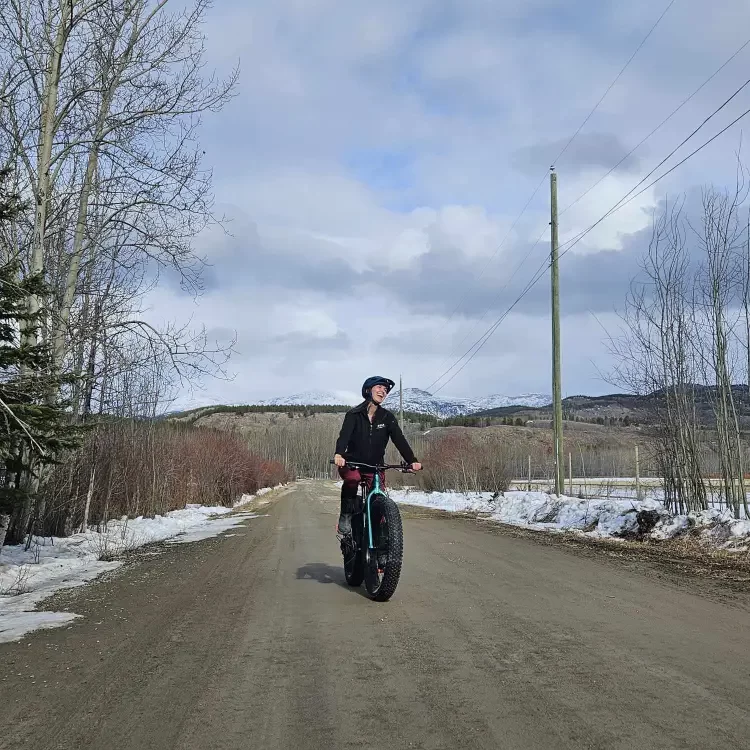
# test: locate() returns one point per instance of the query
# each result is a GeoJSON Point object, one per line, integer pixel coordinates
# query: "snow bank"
{"type": "Point", "coordinates": [457, 502]}
{"type": "Point", "coordinates": [597, 517]}
{"type": "Point", "coordinates": [51, 564]}
{"type": "Point", "coordinates": [245, 499]}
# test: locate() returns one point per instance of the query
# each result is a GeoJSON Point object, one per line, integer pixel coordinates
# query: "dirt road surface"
{"type": "Point", "coordinates": [491, 641]}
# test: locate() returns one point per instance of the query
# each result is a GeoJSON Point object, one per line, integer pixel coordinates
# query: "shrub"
{"type": "Point", "coordinates": [455, 462]}
{"type": "Point", "coordinates": [131, 468]}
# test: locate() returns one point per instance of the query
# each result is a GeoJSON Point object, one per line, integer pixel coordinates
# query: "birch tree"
{"type": "Point", "coordinates": [719, 282]}
{"type": "Point", "coordinates": [109, 94]}
{"type": "Point", "coordinates": [655, 356]}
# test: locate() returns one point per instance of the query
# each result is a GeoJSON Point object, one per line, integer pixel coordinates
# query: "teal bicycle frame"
{"type": "Point", "coordinates": [376, 490]}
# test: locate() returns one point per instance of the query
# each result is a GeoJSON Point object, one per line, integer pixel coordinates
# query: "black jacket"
{"type": "Point", "coordinates": [363, 441]}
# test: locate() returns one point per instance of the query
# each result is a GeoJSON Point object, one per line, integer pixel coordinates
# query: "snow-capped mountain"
{"type": "Point", "coordinates": [422, 402]}
{"type": "Point", "coordinates": [495, 401]}
{"type": "Point", "coordinates": [419, 401]}
{"type": "Point", "coordinates": [307, 398]}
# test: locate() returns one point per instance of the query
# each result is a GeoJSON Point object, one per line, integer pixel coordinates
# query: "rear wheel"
{"type": "Point", "coordinates": [382, 567]}
{"type": "Point", "coordinates": [351, 549]}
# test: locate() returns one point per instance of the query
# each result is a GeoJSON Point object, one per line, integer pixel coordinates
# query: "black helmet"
{"type": "Point", "coordinates": [370, 383]}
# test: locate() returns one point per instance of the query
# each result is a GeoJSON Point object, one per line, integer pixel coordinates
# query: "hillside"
{"type": "Point", "coordinates": [306, 398]}
{"type": "Point", "coordinates": [616, 406]}
{"type": "Point", "coordinates": [303, 439]}
{"type": "Point", "coordinates": [423, 408]}
{"type": "Point", "coordinates": [415, 400]}
{"type": "Point", "coordinates": [624, 408]}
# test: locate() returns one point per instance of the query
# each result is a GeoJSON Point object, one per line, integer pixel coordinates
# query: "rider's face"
{"type": "Point", "coordinates": [379, 392]}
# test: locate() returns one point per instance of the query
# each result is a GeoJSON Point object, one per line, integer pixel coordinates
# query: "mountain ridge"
{"type": "Point", "coordinates": [419, 401]}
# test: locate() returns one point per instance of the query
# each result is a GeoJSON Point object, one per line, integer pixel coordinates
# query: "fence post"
{"type": "Point", "coordinates": [528, 486]}
{"type": "Point", "coordinates": [570, 473]}
{"type": "Point", "coordinates": [583, 472]}
{"type": "Point", "coordinates": [638, 493]}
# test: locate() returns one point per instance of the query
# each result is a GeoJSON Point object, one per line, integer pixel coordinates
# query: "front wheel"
{"type": "Point", "coordinates": [383, 562]}
{"type": "Point", "coordinates": [351, 549]}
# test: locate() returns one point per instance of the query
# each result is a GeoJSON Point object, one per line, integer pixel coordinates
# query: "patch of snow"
{"type": "Point", "coordinates": [457, 502]}
{"type": "Point", "coordinates": [597, 517]}
{"type": "Point", "coordinates": [15, 625]}
{"type": "Point", "coordinates": [245, 499]}
{"type": "Point", "coordinates": [27, 577]}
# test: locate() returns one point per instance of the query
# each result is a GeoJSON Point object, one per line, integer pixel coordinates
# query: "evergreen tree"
{"type": "Point", "coordinates": [34, 425]}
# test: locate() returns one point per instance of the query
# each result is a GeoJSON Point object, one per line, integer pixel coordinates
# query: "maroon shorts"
{"type": "Point", "coordinates": [353, 477]}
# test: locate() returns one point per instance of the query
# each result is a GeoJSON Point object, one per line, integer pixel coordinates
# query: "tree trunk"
{"type": "Point", "coordinates": [44, 156]}
{"type": "Point", "coordinates": [4, 523]}
{"type": "Point", "coordinates": [89, 495]}
{"type": "Point", "coordinates": [71, 282]}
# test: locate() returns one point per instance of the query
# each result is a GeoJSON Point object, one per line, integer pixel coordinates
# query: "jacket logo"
{"type": "Point", "coordinates": [380, 426]}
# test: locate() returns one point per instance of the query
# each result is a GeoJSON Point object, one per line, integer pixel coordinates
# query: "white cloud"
{"type": "Point", "coordinates": [368, 162]}
{"type": "Point", "coordinates": [629, 218]}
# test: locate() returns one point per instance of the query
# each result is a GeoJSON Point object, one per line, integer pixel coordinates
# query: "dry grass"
{"type": "Point", "coordinates": [19, 585]}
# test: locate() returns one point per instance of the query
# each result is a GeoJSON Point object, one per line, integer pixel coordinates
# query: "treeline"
{"type": "Point", "coordinates": [625, 421]}
{"type": "Point", "coordinates": [305, 410]}
{"type": "Point", "coordinates": [428, 422]}
{"type": "Point", "coordinates": [292, 410]}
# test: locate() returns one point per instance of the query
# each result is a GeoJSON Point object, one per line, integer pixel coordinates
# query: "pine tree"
{"type": "Point", "coordinates": [34, 425]}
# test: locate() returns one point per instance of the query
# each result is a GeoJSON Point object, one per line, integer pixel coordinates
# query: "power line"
{"type": "Point", "coordinates": [488, 333]}
{"type": "Point", "coordinates": [499, 247]}
{"type": "Point", "coordinates": [685, 140]}
{"type": "Point", "coordinates": [567, 146]}
{"type": "Point", "coordinates": [658, 127]}
{"type": "Point", "coordinates": [623, 202]}
{"type": "Point", "coordinates": [479, 344]}
{"type": "Point", "coordinates": [617, 78]}
{"type": "Point", "coordinates": [489, 307]}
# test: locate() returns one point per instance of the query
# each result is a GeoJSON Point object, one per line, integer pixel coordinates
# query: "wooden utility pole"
{"type": "Point", "coordinates": [556, 385]}
{"type": "Point", "coordinates": [401, 399]}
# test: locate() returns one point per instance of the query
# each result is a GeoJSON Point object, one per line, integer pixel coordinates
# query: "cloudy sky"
{"type": "Point", "coordinates": [377, 155]}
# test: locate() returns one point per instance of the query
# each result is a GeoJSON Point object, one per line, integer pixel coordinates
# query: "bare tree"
{"type": "Point", "coordinates": [719, 283]}
{"type": "Point", "coordinates": [655, 356]}
{"type": "Point", "coordinates": [109, 94]}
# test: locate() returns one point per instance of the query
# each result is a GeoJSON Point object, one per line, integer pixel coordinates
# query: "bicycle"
{"type": "Point", "coordinates": [374, 550]}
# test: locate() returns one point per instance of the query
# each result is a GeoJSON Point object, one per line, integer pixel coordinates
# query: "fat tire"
{"type": "Point", "coordinates": [354, 565]}
{"type": "Point", "coordinates": [383, 590]}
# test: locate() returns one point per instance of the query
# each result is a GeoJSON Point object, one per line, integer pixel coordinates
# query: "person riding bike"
{"type": "Point", "coordinates": [363, 439]}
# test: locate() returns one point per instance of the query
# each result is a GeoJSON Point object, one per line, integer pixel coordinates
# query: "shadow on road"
{"type": "Point", "coordinates": [324, 573]}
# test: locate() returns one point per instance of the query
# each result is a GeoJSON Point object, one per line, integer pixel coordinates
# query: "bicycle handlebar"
{"type": "Point", "coordinates": [357, 464]}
